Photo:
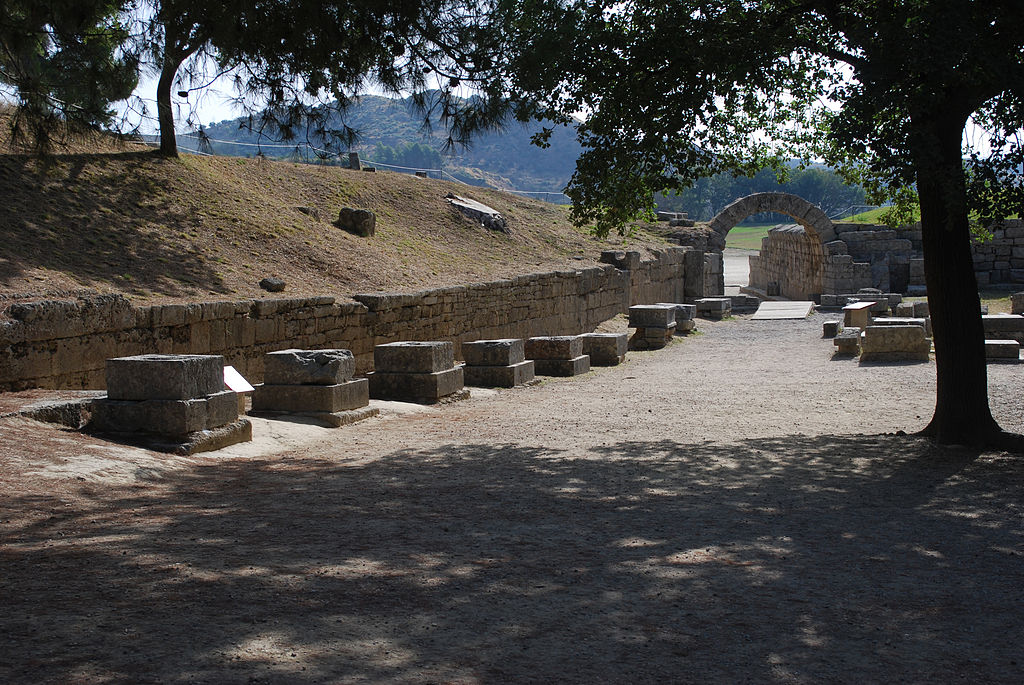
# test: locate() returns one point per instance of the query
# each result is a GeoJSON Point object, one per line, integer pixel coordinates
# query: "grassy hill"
{"type": "Point", "coordinates": [101, 216]}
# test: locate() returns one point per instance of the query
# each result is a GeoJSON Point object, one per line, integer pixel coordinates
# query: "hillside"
{"type": "Point", "coordinates": [504, 159]}
{"type": "Point", "coordinates": [101, 216]}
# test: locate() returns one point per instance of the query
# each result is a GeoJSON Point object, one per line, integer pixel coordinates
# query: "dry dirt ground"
{"type": "Point", "coordinates": [737, 507]}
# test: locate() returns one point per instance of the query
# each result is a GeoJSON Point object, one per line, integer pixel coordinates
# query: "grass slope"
{"type": "Point", "coordinates": [118, 218]}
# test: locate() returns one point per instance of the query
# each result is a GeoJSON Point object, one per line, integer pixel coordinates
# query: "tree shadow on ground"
{"type": "Point", "coordinates": [798, 559]}
{"type": "Point", "coordinates": [114, 218]}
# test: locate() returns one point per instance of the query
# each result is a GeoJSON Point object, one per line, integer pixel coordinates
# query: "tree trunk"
{"type": "Point", "coordinates": [165, 115]}
{"type": "Point", "coordinates": [962, 414]}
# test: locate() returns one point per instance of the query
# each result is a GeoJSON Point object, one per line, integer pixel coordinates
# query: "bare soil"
{"type": "Point", "coordinates": [738, 507]}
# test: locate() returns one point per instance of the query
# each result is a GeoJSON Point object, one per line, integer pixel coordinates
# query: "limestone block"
{"type": "Point", "coordinates": [921, 309]}
{"type": "Point", "coordinates": [605, 349]}
{"type": "Point", "coordinates": [1017, 303]}
{"type": "Point", "coordinates": [499, 376]}
{"type": "Point", "coordinates": [894, 343]}
{"type": "Point", "coordinates": [161, 417]}
{"type": "Point", "coordinates": [414, 357]}
{"type": "Point", "coordinates": [222, 408]}
{"type": "Point", "coordinates": [311, 398]}
{"type": "Point", "coordinates": [684, 312]}
{"type": "Point", "coordinates": [504, 352]}
{"type": "Point", "coordinates": [905, 309]}
{"type": "Point", "coordinates": [830, 329]}
{"type": "Point", "coordinates": [1003, 326]}
{"type": "Point", "coordinates": [562, 367]}
{"type": "Point", "coordinates": [857, 315]}
{"type": "Point", "coordinates": [416, 387]}
{"type": "Point", "coordinates": [685, 326]}
{"type": "Point", "coordinates": [652, 315]}
{"type": "Point", "coordinates": [164, 376]}
{"type": "Point", "coordinates": [848, 341]}
{"type": "Point", "coordinates": [714, 307]}
{"type": "Point", "coordinates": [308, 367]}
{"type": "Point", "coordinates": [1002, 349]}
{"type": "Point", "coordinates": [554, 347]}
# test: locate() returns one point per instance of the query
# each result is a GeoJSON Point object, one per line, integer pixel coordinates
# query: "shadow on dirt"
{"type": "Point", "coordinates": [798, 559]}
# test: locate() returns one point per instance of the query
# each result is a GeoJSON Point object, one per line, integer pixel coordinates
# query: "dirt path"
{"type": "Point", "coordinates": [734, 508]}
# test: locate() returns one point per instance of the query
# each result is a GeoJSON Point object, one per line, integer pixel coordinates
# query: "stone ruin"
{"type": "Point", "coordinates": [496, 363]}
{"type": "Point", "coordinates": [414, 371]}
{"type": "Point", "coordinates": [170, 403]}
{"type": "Point", "coordinates": [316, 384]}
{"type": "Point", "coordinates": [655, 325]}
{"type": "Point", "coordinates": [605, 349]}
{"type": "Point", "coordinates": [558, 355]}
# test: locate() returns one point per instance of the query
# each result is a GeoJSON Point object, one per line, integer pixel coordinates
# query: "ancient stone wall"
{"type": "Point", "coordinates": [57, 344]}
{"type": "Point", "coordinates": [790, 264]}
{"type": "Point", "coordinates": [1001, 259]}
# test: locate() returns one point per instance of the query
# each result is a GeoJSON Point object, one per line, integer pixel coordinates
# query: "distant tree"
{"type": "Point", "coordinates": [675, 91]}
{"type": "Point", "coordinates": [65, 60]}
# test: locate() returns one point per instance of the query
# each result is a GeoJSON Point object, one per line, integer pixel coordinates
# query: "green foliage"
{"type": "Point", "coordinates": [66, 62]}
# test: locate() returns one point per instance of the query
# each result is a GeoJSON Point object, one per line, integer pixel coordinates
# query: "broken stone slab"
{"type": "Point", "coordinates": [857, 315]}
{"type": "Point", "coordinates": [714, 307]}
{"type": "Point", "coordinates": [414, 357]}
{"type": "Point", "coordinates": [507, 376]}
{"type": "Point", "coordinates": [308, 367]}
{"type": "Point", "coordinates": [360, 222]}
{"type": "Point", "coordinates": [830, 329]}
{"type": "Point", "coordinates": [164, 376]}
{"type": "Point", "coordinates": [848, 341]}
{"type": "Point", "coordinates": [652, 315]}
{"type": "Point", "coordinates": [424, 388]}
{"type": "Point", "coordinates": [895, 343]}
{"type": "Point", "coordinates": [561, 347]}
{"type": "Point", "coordinates": [489, 217]}
{"type": "Point", "coordinates": [1002, 350]}
{"type": "Point", "coordinates": [503, 352]}
{"type": "Point", "coordinates": [562, 367]}
{"type": "Point", "coordinates": [164, 417]}
{"type": "Point", "coordinates": [605, 349]}
{"type": "Point", "coordinates": [345, 396]}
{"type": "Point", "coordinates": [684, 312]}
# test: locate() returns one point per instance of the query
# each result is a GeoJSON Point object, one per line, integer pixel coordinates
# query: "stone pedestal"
{"type": "Point", "coordinates": [651, 338]}
{"type": "Point", "coordinates": [413, 371]}
{"type": "Point", "coordinates": [557, 355]}
{"type": "Point", "coordinates": [857, 315]}
{"type": "Point", "coordinates": [830, 329]}
{"type": "Point", "coordinates": [714, 307]}
{"type": "Point", "coordinates": [685, 316]}
{"type": "Point", "coordinates": [170, 403]}
{"type": "Point", "coordinates": [1002, 351]}
{"type": "Point", "coordinates": [317, 384]}
{"type": "Point", "coordinates": [895, 343]}
{"type": "Point", "coordinates": [496, 363]}
{"type": "Point", "coordinates": [847, 341]}
{"type": "Point", "coordinates": [605, 349]}
{"type": "Point", "coordinates": [652, 316]}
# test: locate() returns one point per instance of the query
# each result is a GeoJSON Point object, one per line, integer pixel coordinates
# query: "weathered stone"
{"type": "Point", "coordinates": [308, 367]}
{"type": "Point", "coordinates": [1003, 326]}
{"type": "Point", "coordinates": [311, 398]}
{"type": "Point", "coordinates": [830, 329]}
{"type": "Point", "coordinates": [857, 315]}
{"type": "Point", "coordinates": [905, 309]}
{"type": "Point", "coordinates": [221, 408]}
{"type": "Point", "coordinates": [164, 417]}
{"type": "Point", "coordinates": [605, 349]}
{"type": "Point", "coordinates": [360, 222]}
{"type": "Point", "coordinates": [685, 326]}
{"type": "Point", "coordinates": [652, 315]}
{"type": "Point", "coordinates": [488, 217]}
{"type": "Point", "coordinates": [684, 312]}
{"type": "Point", "coordinates": [1000, 350]}
{"type": "Point", "coordinates": [554, 347]}
{"type": "Point", "coordinates": [714, 307]}
{"type": "Point", "coordinates": [651, 338]}
{"type": "Point", "coordinates": [414, 357]}
{"type": "Point", "coordinates": [895, 343]}
{"type": "Point", "coordinates": [504, 352]}
{"type": "Point", "coordinates": [1017, 303]}
{"type": "Point", "coordinates": [562, 367]}
{"type": "Point", "coordinates": [272, 284]}
{"type": "Point", "coordinates": [426, 388]}
{"type": "Point", "coordinates": [499, 376]}
{"type": "Point", "coordinates": [848, 341]}
{"type": "Point", "coordinates": [921, 309]}
{"type": "Point", "coordinates": [164, 376]}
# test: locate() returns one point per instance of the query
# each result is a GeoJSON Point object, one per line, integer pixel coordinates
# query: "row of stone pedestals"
{"type": "Point", "coordinates": [655, 324]}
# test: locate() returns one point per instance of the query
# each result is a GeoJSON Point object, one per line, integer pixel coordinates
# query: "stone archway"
{"type": "Point", "coordinates": [818, 229]}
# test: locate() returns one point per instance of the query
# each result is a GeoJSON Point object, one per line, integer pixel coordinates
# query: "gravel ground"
{"type": "Point", "coordinates": [738, 507]}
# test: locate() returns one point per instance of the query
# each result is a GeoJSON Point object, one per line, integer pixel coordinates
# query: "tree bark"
{"type": "Point", "coordinates": [165, 115]}
{"type": "Point", "coordinates": [962, 414]}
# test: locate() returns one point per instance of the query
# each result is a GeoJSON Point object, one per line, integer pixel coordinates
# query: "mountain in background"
{"type": "Point", "coordinates": [390, 128]}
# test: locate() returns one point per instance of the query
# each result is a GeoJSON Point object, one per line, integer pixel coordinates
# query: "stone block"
{"type": "Point", "coordinates": [308, 367]}
{"type": "Point", "coordinates": [895, 343]}
{"type": "Point", "coordinates": [414, 357]}
{"type": "Point", "coordinates": [830, 329]}
{"type": "Point", "coordinates": [159, 417]}
{"type": "Point", "coordinates": [426, 388]}
{"type": "Point", "coordinates": [605, 349]}
{"type": "Point", "coordinates": [222, 408]}
{"type": "Point", "coordinates": [857, 315]}
{"type": "Point", "coordinates": [921, 309]}
{"type": "Point", "coordinates": [684, 312]}
{"type": "Point", "coordinates": [164, 376]}
{"type": "Point", "coordinates": [848, 341]}
{"type": "Point", "coordinates": [904, 309]}
{"type": "Point", "coordinates": [1000, 350]}
{"type": "Point", "coordinates": [1017, 303]}
{"type": "Point", "coordinates": [562, 367]}
{"type": "Point", "coordinates": [499, 376]}
{"type": "Point", "coordinates": [652, 315]}
{"type": "Point", "coordinates": [561, 347]}
{"type": "Point", "coordinates": [311, 398]}
{"type": "Point", "coordinates": [505, 352]}
{"type": "Point", "coordinates": [685, 326]}
{"type": "Point", "coordinates": [1003, 326]}
{"type": "Point", "coordinates": [714, 307]}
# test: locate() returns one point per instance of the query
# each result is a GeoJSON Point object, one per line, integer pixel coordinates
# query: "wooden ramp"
{"type": "Point", "coordinates": [783, 309]}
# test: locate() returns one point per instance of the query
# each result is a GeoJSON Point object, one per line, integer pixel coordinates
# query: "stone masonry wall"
{"type": "Point", "coordinates": [59, 344]}
{"type": "Point", "coordinates": [790, 264]}
{"type": "Point", "coordinates": [1001, 260]}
